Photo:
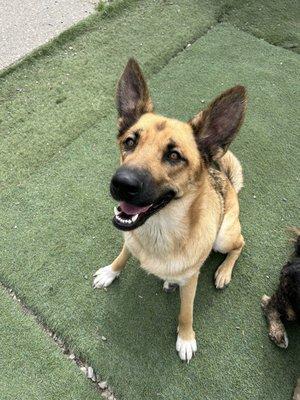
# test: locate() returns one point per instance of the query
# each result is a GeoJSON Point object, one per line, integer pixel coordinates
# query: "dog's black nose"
{"type": "Point", "coordinates": [126, 182]}
{"type": "Point", "coordinates": [133, 185]}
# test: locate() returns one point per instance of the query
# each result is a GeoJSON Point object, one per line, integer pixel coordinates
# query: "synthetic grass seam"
{"type": "Point", "coordinates": [226, 12]}
{"type": "Point", "coordinates": [151, 73]}
{"type": "Point", "coordinates": [101, 386]}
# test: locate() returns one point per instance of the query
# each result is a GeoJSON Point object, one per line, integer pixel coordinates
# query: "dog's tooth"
{"type": "Point", "coordinates": [116, 211]}
{"type": "Point", "coordinates": [134, 218]}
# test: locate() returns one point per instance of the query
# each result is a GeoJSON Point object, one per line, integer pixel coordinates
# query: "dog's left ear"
{"type": "Point", "coordinates": [215, 127]}
{"type": "Point", "coordinates": [132, 96]}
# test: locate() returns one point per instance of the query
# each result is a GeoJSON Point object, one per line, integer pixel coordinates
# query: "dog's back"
{"type": "Point", "coordinates": [232, 168]}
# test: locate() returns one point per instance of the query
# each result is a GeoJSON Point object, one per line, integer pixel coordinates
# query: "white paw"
{"type": "Point", "coordinates": [222, 278]}
{"type": "Point", "coordinates": [104, 277]}
{"type": "Point", "coordinates": [169, 287]}
{"type": "Point", "coordinates": [186, 348]}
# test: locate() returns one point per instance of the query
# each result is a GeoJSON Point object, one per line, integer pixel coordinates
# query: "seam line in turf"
{"type": "Point", "coordinates": [153, 72]}
{"type": "Point", "coordinates": [101, 386]}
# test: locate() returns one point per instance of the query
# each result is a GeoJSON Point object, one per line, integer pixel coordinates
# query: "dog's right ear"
{"type": "Point", "coordinates": [132, 97]}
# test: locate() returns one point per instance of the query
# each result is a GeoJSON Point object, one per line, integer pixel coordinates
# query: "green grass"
{"type": "Point", "coordinates": [31, 365]}
{"type": "Point", "coordinates": [277, 22]}
{"type": "Point", "coordinates": [57, 232]}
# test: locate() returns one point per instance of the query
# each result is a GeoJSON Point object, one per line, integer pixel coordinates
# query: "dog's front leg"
{"type": "Point", "coordinates": [106, 275]}
{"type": "Point", "coordinates": [277, 331]}
{"type": "Point", "coordinates": [186, 343]}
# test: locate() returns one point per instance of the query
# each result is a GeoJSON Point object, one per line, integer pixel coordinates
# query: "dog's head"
{"type": "Point", "coordinates": [163, 159]}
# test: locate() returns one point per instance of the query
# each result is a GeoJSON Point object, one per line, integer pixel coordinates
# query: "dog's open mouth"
{"type": "Point", "coordinates": [128, 216]}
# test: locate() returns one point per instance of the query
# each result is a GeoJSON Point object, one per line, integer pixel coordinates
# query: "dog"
{"type": "Point", "coordinates": [177, 189]}
{"type": "Point", "coordinates": [284, 305]}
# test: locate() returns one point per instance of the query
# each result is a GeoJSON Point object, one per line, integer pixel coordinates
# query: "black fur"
{"type": "Point", "coordinates": [287, 296]}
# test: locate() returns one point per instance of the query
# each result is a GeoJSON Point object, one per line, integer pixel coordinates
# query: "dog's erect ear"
{"type": "Point", "coordinates": [215, 127]}
{"type": "Point", "coordinates": [133, 97]}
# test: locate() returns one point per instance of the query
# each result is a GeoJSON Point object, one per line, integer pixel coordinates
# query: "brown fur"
{"type": "Point", "coordinates": [174, 243]}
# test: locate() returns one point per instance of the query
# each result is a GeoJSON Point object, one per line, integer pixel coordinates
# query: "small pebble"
{"type": "Point", "coordinates": [103, 338]}
{"type": "Point", "coordinates": [83, 369]}
{"type": "Point", "coordinates": [254, 196]}
{"type": "Point", "coordinates": [102, 385]}
{"type": "Point", "coordinates": [90, 374]}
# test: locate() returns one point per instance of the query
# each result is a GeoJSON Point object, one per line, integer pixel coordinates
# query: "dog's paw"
{"type": "Point", "coordinates": [169, 287]}
{"type": "Point", "coordinates": [104, 277]}
{"type": "Point", "coordinates": [265, 301]}
{"type": "Point", "coordinates": [186, 348]}
{"type": "Point", "coordinates": [279, 337]}
{"type": "Point", "coordinates": [222, 277]}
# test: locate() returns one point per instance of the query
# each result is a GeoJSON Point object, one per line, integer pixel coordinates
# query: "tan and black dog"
{"type": "Point", "coordinates": [177, 190]}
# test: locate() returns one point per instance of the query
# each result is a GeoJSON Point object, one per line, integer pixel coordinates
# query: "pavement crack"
{"type": "Point", "coordinates": [100, 385]}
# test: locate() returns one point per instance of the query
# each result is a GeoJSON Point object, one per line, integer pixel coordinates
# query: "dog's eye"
{"type": "Point", "coordinates": [129, 143]}
{"type": "Point", "coordinates": [173, 156]}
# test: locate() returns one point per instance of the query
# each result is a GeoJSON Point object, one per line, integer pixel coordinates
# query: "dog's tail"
{"type": "Point", "coordinates": [232, 168]}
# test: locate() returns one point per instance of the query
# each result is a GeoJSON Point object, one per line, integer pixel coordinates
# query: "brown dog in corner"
{"type": "Point", "coordinates": [177, 191]}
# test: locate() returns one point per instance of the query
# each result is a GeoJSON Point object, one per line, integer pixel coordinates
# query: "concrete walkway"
{"type": "Point", "coordinates": [27, 24]}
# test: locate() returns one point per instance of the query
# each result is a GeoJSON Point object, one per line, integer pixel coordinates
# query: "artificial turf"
{"type": "Point", "coordinates": [31, 365]}
{"type": "Point", "coordinates": [55, 211]}
{"type": "Point", "coordinates": [277, 22]}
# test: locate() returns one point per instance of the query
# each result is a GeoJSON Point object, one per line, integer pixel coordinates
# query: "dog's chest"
{"type": "Point", "coordinates": [156, 245]}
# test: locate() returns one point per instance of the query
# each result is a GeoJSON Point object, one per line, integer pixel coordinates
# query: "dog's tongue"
{"type": "Point", "coordinates": [130, 209]}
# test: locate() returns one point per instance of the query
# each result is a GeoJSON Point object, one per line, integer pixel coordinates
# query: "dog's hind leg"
{"type": "Point", "coordinates": [229, 241]}
{"type": "Point", "coordinates": [277, 331]}
{"type": "Point", "coordinates": [224, 272]}
{"type": "Point", "coordinates": [106, 275]}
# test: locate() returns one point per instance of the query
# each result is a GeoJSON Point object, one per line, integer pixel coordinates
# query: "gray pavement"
{"type": "Point", "coordinates": [27, 24]}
